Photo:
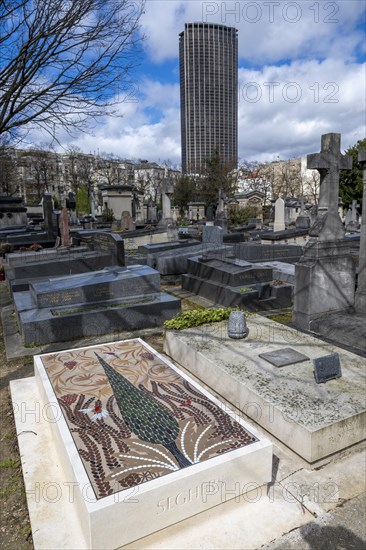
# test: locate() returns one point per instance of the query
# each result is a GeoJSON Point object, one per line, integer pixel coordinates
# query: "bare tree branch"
{"type": "Point", "coordinates": [65, 62]}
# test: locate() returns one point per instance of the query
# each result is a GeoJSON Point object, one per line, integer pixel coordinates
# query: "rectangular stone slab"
{"type": "Point", "coordinates": [87, 261]}
{"type": "Point", "coordinates": [21, 258]}
{"type": "Point", "coordinates": [142, 440]}
{"type": "Point", "coordinates": [110, 283]}
{"type": "Point", "coordinates": [63, 323]}
{"type": "Point", "coordinates": [283, 357]}
{"type": "Point", "coordinates": [313, 420]}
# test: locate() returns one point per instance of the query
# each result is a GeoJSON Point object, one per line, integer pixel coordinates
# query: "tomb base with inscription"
{"type": "Point", "coordinates": [314, 420]}
{"type": "Point", "coordinates": [235, 283]}
{"type": "Point", "coordinates": [140, 444]}
{"type": "Point", "coordinates": [93, 304]}
{"type": "Point", "coordinates": [324, 282]}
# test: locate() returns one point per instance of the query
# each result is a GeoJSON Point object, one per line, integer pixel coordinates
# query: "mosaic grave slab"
{"type": "Point", "coordinates": [144, 439]}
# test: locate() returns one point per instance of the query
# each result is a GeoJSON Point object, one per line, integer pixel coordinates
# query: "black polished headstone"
{"type": "Point", "coordinates": [327, 368]}
{"type": "Point", "coordinates": [112, 243]}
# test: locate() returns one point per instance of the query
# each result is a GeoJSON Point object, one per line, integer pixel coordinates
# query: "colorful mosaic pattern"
{"type": "Point", "coordinates": [133, 418]}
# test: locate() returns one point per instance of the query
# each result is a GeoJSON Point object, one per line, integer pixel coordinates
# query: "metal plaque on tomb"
{"type": "Point", "coordinates": [327, 368]}
{"type": "Point", "coordinates": [283, 357]}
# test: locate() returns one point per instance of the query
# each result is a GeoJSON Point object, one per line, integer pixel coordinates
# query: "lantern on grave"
{"type": "Point", "coordinates": [237, 326]}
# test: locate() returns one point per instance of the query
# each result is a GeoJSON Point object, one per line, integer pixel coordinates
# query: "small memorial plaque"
{"type": "Point", "coordinates": [283, 357]}
{"type": "Point", "coordinates": [327, 368]}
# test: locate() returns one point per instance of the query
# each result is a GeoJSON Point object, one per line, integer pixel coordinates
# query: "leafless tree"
{"type": "Point", "coordinates": [65, 62]}
{"type": "Point", "coordinates": [311, 186]}
{"type": "Point", "coordinates": [256, 178]}
{"type": "Point", "coordinates": [109, 168]}
{"type": "Point", "coordinates": [42, 166]}
{"type": "Point", "coordinates": [86, 172]}
{"type": "Point", "coordinates": [284, 177]}
{"type": "Point", "coordinates": [71, 169]}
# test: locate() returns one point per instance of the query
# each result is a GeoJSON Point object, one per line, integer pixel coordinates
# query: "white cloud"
{"type": "Point", "coordinates": [312, 62]}
{"type": "Point", "coordinates": [330, 99]}
{"type": "Point", "coordinates": [268, 31]}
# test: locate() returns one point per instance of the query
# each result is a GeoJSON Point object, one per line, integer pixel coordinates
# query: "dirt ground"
{"type": "Point", "coordinates": [15, 531]}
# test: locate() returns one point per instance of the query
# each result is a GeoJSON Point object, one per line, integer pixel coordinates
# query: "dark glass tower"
{"type": "Point", "coordinates": [208, 57]}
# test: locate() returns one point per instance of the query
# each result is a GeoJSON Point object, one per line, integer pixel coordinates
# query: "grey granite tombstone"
{"type": "Point", "coordinates": [95, 303]}
{"type": "Point", "coordinates": [112, 243]}
{"type": "Point", "coordinates": [348, 217]}
{"type": "Point", "coordinates": [212, 234]}
{"type": "Point", "coordinates": [234, 283]}
{"type": "Point", "coordinates": [12, 212]}
{"type": "Point", "coordinates": [324, 276]}
{"type": "Point", "coordinates": [303, 219]}
{"type": "Point", "coordinates": [48, 214]}
{"type": "Point", "coordinates": [172, 231]}
{"type": "Point", "coordinates": [151, 213]}
{"type": "Point", "coordinates": [209, 214]}
{"type": "Point", "coordinates": [125, 220]}
{"type": "Point", "coordinates": [352, 223]}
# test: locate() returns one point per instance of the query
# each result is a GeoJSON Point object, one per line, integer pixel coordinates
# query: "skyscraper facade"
{"type": "Point", "coordinates": [208, 57]}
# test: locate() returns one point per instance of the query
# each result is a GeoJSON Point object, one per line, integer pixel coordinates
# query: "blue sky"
{"type": "Point", "coordinates": [301, 74]}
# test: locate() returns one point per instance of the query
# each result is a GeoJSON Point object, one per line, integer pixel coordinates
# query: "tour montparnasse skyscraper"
{"type": "Point", "coordinates": [208, 57]}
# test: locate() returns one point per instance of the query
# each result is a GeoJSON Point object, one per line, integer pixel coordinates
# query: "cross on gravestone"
{"type": "Point", "coordinates": [328, 162]}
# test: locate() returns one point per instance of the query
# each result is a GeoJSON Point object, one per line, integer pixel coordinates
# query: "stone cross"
{"type": "Point", "coordinates": [329, 162]}
{"type": "Point", "coordinates": [328, 225]}
{"type": "Point", "coordinates": [360, 297]}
